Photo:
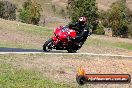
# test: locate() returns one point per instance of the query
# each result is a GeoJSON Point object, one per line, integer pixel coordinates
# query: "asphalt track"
{"type": "Point", "coordinates": [5, 50]}
{"type": "Point", "coordinates": [60, 53]}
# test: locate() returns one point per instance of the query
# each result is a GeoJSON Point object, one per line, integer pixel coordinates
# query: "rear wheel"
{"type": "Point", "coordinates": [48, 45]}
{"type": "Point", "coordinates": [71, 50]}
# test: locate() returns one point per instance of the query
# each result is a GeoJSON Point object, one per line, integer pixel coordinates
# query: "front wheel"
{"type": "Point", "coordinates": [48, 45]}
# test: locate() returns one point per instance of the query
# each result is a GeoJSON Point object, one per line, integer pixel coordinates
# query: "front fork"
{"type": "Point", "coordinates": [55, 40]}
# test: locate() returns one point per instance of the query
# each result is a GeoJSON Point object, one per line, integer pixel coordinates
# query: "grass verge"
{"type": "Point", "coordinates": [12, 76]}
{"type": "Point", "coordinates": [111, 44]}
{"type": "Point", "coordinates": [6, 44]}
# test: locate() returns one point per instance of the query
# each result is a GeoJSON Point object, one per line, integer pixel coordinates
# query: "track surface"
{"type": "Point", "coordinates": [64, 53]}
{"type": "Point", "coordinates": [4, 50]}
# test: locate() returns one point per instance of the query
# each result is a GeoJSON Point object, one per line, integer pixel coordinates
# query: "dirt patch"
{"type": "Point", "coordinates": [113, 39]}
{"type": "Point", "coordinates": [104, 50]}
{"type": "Point", "coordinates": [63, 68]}
{"type": "Point", "coordinates": [99, 48]}
{"type": "Point", "coordinates": [13, 36]}
{"type": "Point", "coordinates": [62, 3]}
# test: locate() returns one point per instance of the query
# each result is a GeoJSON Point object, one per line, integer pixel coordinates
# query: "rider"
{"type": "Point", "coordinates": [82, 30]}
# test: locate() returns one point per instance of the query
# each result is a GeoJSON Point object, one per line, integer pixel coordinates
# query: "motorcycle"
{"type": "Point", "coordinates": [62, 40]}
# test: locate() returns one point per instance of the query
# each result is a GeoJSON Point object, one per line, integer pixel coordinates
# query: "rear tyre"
{"type": "Point", "coordinates": [71, 50]}
{"type": "Point", "coordinates": [47, 47]}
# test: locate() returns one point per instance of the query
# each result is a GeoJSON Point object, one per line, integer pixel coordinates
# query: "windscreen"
{"type": "Point", "coordinates": [65, 29]}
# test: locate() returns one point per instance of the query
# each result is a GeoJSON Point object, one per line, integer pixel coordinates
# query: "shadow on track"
{"type": "Point", "coordinates": [6, 49]}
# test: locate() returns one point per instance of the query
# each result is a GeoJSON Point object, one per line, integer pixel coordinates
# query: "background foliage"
{"type": "Point", "coordinates": [30, 12]}
{"type": "Point", "coordinates": [7, 10]}
{"type": "Point", "coordinates": [118, 18]}
{"type": "Point", "coordinates": [77, 8]}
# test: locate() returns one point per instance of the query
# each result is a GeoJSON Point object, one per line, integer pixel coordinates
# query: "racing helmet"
{"type": "Point", "coordinates": [82, 21]}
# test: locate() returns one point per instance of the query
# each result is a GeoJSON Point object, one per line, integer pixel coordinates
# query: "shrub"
{"type": "Point", "coordinates": [130, 30]}
{"type": "Point", "coordinates": [7, 10]}
{"type": "Point", "coordinates": [117, 19]}
{"type": "Point", "coordinates": [1, 9]}
{"type": "Point", "coordinates": [30, 12]}
{"type": "Point", "coordinates": [99, 30]}
{"type": "Point", "coordinates": [103, 16]}
{"type": "Point", "coordinates": [77, 8]}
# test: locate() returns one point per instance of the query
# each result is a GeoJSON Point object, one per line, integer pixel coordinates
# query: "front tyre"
{"type": "Point", "coordinates": [47, 47]}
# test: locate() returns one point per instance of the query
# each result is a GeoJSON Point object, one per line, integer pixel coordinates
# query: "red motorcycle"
{"type": "Point", "coordinates": [62, 40]}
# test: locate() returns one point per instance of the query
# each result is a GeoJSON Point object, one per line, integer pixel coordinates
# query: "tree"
{"type": "Point", "coordinates": [1, 9]}
{"type": "Point", "coordinates": [30, 12]}
{"type": "Point", "coordinates": [129, 16]}
{"type": "Point", "coordinates": [130, 30]}
{"type": "Point", "coordinates": [103, 17]}
{"type": "Point", "coordinates": [7, 10]}
{"type": "Point", "coordinates": [117, 19]}
{"type": "Point", "coordinates": [88, 8]}
{"type": "Point", "coordinates": [100, 30]}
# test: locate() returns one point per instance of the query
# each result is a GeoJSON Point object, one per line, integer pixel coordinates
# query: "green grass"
{"type": "Point", "coordinates": [26, 28]}
{"type": "Point", "coordinates": [105, 43]}
{"type": "Point", "coordinates": [41, 31]}
{"type": "Point", "coordinates": [97, 42]}
{"type": "Point", "coordinates": [124, 45]}
{"type": "Point", "coordinates": [7, 44]}
{"type": "Point", "coordinates": [12, 76]}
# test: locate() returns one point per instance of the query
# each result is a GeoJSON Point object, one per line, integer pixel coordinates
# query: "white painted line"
{"type": "Point", "coordinates": [53, 53]}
